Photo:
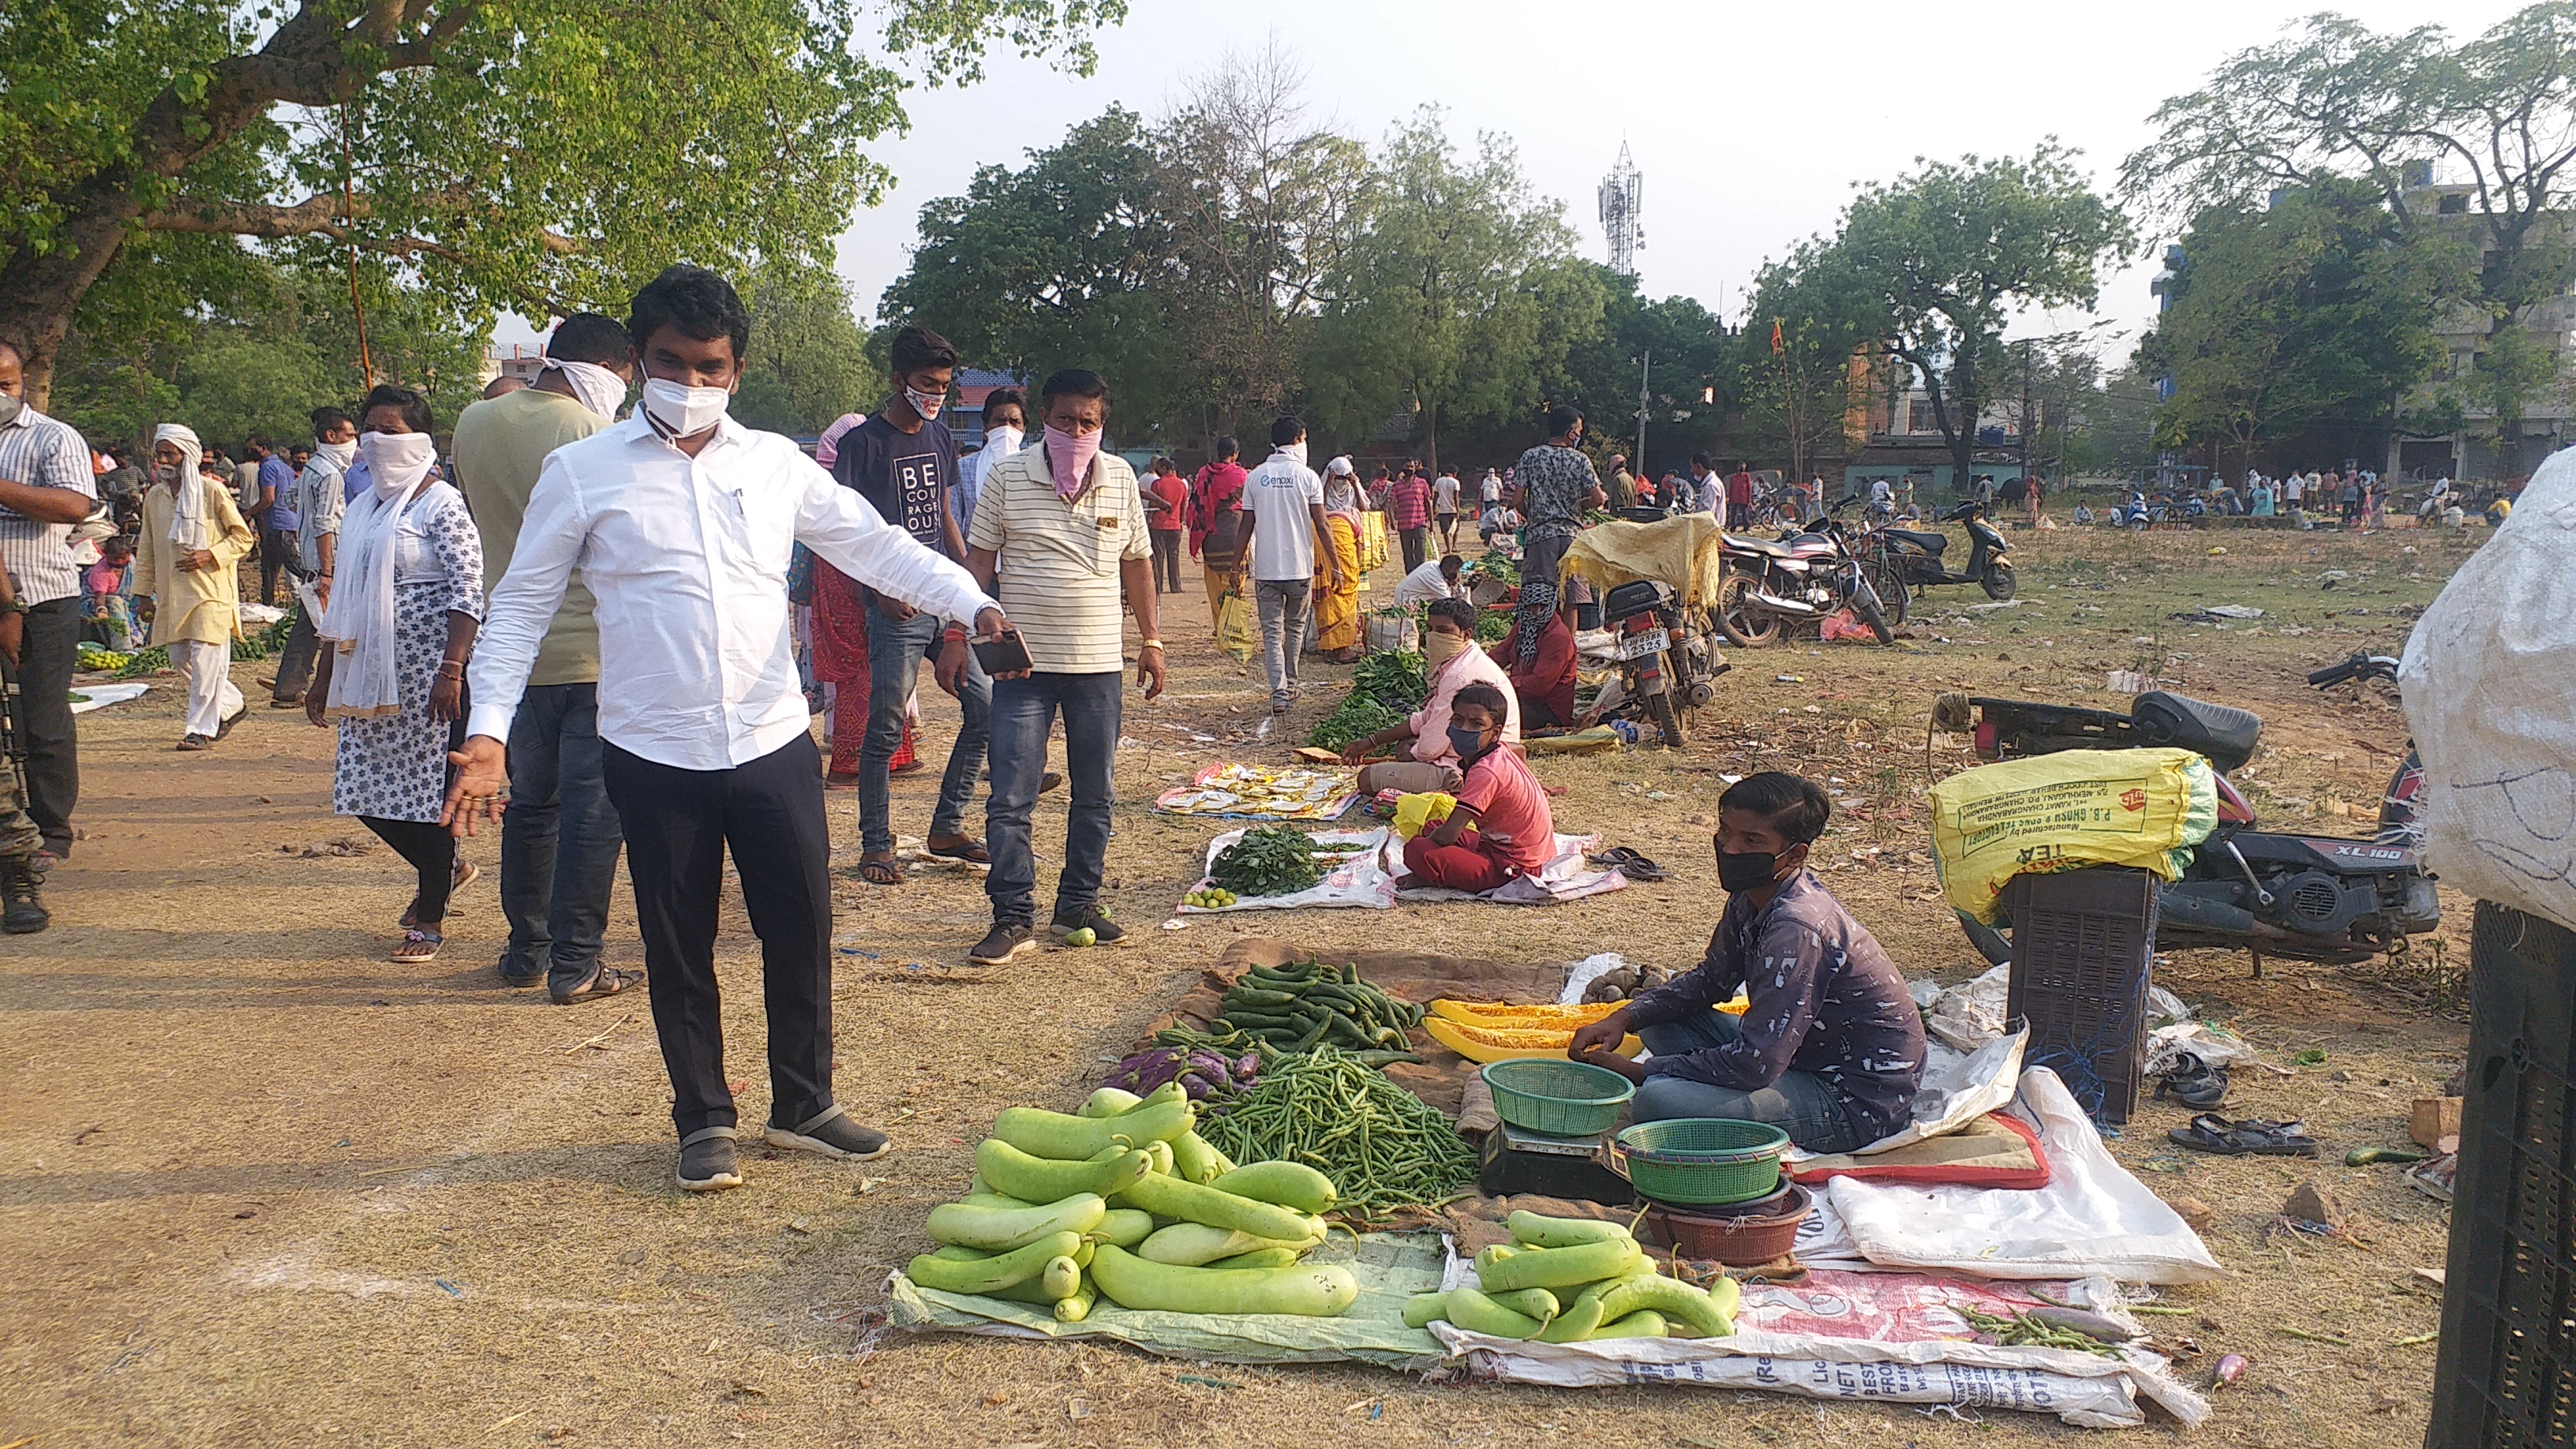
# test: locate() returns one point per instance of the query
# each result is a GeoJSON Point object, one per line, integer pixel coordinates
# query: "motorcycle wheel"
{"type": "Point", "coordinates": [1894, 598]}
{"type": "Point", "coordinates": [1999, 580]}
{"type": "Point", "coordinates": [1743, 625]}
{"type": "Point", "coordinates": [1660, 708]}
{"type": "Point", "coordinates": [1990, 943]}
{"type": "Point", "coordinates": [1865, 600]}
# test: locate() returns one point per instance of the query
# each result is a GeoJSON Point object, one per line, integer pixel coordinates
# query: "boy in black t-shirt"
{"type": "Point", "coordinates": [903, 460]}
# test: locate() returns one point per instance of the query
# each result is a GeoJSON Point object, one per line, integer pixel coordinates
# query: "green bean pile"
{"type": "Point", "coordinates": [1381, 1145]}
{"type": "Point", "coordinates": [2023, 1331]}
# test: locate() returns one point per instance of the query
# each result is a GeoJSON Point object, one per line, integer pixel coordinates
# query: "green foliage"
{"type": "Point", "coordinates": [1270, 860]}
{"type": "Point", "coordinates": [1693, 356]}
{"type": "Point", "coordinates": [2315, 313]}
{"type": "Point", "coordinates": [1398, 678]}
{"type": "Point", "coordinates": [808, 363]}
{"type": "Point", "coordinates": [1797, 393]}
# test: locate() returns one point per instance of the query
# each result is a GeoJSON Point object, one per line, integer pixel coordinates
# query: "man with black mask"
{"type": "Point", "coordinates": [1831, 1049]}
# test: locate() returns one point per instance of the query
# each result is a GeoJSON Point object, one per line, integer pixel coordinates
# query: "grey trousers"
{"type": "Point", "coordinates": [1284, 605]}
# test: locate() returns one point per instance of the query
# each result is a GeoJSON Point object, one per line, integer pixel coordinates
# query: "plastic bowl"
{"type": "Point", "coordinates": [1560, 1098]}
{"type": "Point", "coordinates": [1701, 1161]}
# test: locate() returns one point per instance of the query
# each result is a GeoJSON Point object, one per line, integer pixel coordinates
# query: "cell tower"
{"type": "Point", "coordinates": [1623, 212]}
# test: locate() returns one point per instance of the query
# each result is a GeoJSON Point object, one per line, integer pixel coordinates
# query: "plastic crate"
{"type": "Point", "coordinates": [2082, 943]}
{"type": "Point", "coordinates": [2506, 1375]}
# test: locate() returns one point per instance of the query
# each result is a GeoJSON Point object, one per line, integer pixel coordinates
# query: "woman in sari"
{"type": "Point", "coordinates": [1337, 609]}
{"type": "Point", "coordinates": [1216, 520]}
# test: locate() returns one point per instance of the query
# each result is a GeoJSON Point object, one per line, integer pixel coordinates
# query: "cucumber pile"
{"type": "Point", "coordinates": [1304, 1004]}
{"type": "Point", "coordinates": [1126, 1201]}
{"type": "Point", "coordinates": [1568, 1280]}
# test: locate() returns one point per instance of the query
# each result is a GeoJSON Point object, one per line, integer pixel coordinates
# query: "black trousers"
{"type": "Point", "coordinates": [1417, 546]}
{"type": "Point", "coordinates": [430, 850]}
{"type": "Point", "coordinates": [47, 652]}
{"type": "Point", "coordinates": [275, 549]}
{"type": "Point", "coordinates": [678, 824]}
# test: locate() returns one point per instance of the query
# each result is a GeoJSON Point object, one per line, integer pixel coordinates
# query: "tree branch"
{"type": "Point", "coordinates": [322, 214]}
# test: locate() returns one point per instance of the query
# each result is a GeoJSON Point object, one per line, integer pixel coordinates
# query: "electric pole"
{"type": "Point", "coordinates": [1645, 374]}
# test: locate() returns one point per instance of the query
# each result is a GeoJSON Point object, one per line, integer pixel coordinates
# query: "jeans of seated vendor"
{"type": "Point", "coordinates": [1408, 777]}
{"type": "Point", "coordinates": [1799, 1104]}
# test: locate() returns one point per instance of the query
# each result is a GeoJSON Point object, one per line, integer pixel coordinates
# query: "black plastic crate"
{"type": "Point", "coordinates": [2506, 1376]}
{"type": "Point", "coordinates": [2082, 943]}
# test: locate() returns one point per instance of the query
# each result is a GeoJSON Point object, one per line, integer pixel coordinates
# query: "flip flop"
{"type": "Point", "coordinates": [2212, 1133]}
{"type": "Point", "coordinates": [971, 851]}
{"type": "Point", "coordinates": [1629, 863]}
{"type": "Point", "coordinates": [2193, 1082]}
{"type": "Point", "coordinates": [881, 872]}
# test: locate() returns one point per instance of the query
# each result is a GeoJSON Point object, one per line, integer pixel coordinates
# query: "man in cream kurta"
{"type": "Point", "coordinates": [196, 609]}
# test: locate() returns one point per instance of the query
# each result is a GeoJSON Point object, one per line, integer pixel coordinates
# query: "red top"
{"type": "Point", "coordinates": [1739, 487]}
{"type": "Point", "coordinates": [1511, 810]}
{"type": "Point", "coordinates": [1408, 503]}
{"type": "Point", "coordinates": [1548, 680]}
{"type": "Point", "coordinates": [1164, 498]}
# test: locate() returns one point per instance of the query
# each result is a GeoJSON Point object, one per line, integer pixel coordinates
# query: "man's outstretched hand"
{"type": "Point", "coordinates": [482, 774]}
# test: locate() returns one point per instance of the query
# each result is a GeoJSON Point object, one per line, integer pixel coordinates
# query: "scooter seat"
{"type": "Point", "coordinates": [1742, 544]}
{"type": "Point", "coordinates": [2225, 734]}
{"type": "Point", "coordinates": [1928, 542]}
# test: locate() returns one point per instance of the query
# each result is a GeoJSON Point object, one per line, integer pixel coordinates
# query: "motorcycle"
{"type": "Point", "coordinates": [1904, 559]}
{"type": "Point", "coordinates": [1800, 578]}
{"type": "Point", "coordinates": [1661, 657]}
{"type": "Point", "coordinates": [2309, 898]}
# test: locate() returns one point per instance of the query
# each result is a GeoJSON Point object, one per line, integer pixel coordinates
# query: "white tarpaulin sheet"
{"type": "Point", "coordinates": [2493, 705]}
{"type": "Point", "coordinates": [2092, 1220]}
{"type": "Point", "coordinates": [1360, 880]}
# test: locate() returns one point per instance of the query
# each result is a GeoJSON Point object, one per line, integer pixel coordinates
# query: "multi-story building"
{"type": "Point", "coordinates": [2477, 450]}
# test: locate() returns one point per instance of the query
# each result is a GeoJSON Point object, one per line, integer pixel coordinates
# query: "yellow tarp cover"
{"type": "Point", "coordinates": [1685, 554]}
{"type": "Point", "coordinates": [2140, 808]}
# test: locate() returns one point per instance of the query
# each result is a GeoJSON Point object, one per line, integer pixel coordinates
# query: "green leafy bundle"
{"type": "Point", "coordinates": [1270, 860]}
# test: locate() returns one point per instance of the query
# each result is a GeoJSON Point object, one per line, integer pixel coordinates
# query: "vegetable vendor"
{"type": "Point", "coordinates": [1501, 826]}
{"type": "Point", "coordinates": [1831, 1048]}
{"type": "Point", "coordinates": [1449, 648]}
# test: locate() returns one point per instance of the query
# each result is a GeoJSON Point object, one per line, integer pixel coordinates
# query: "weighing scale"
{"type": "Point", "coordinates": [1517, 1160]}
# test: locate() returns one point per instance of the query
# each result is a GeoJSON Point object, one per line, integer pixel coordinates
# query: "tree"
{"type": "Point", "coordinates": [1066, 262]}
{"type": "Point", "coordinates": [1810, 356]}
{"type": "Point", "coordinates": [1692, 384]}
{"type": "Point", "coordinates": [1263, 208]}
{"type": "Point", "coordinates": [2313, 314]}
{"type": "Point", "coordinates": [1456, 303]}
{"type": "Point", "coordinates": [808, 362]}
{"type": "Point", "coordinates": [531, 155]}
{"type": "Point", "coordinates": [1944, 254]}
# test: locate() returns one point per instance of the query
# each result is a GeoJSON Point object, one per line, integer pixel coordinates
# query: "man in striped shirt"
{"type": "Point", "coordinates": [1062, 527]}
{"type": "Point", "coordinates": [46, 486]}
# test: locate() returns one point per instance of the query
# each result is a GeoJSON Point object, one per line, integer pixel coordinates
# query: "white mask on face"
{"type": "Point", "coordinates": [927, 404]}
{"type": "Point", "coordinates": [340, 454]}
{"type": "Point", "coordinates": [1006, 437]}
{"type": "Point", "coordinates": [682, 410]}
{"type": "Point", "coordinates": [396, 462]}
{"type": "Point", "coordinates": [1296, 450]}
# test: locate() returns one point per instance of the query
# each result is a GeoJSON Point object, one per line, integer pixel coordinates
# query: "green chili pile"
{"type": "Point", "coordinates": [1381, 1145]}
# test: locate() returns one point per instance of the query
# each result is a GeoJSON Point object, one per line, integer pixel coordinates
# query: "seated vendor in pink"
{"type": "Point", "coordinates": [1449, 648]}
{"type": "Point", "coordinates": [1501, 827]}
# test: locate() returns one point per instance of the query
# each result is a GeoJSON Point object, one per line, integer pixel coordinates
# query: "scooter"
{"type": "Point", "coordinates": [1661, 657]}
{"type": "Point", "coordinates": [2309, 898]}
{"type": "Point", "coordinates": [1913, 559]}
{"type": "Point", "coordinates": [1770, 586]}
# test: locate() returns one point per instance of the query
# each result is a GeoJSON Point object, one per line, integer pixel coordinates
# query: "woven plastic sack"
{"type": "Point", "coordinates": [2141, 808]}
{"type": "Point", "coordinates": [1415, 814]}
{"type": "Point", "coordinates": [2490, 684]}
{"type": "Point", "coordinates": [1236, 633]}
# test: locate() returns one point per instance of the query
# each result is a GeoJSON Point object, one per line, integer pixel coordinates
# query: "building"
{"type": "Point", "coordinates": [522, 360]}
{"type": "Point", "coordinates": [2477, 451]}
{"type": "Point", "coordinates": [1904, 445]}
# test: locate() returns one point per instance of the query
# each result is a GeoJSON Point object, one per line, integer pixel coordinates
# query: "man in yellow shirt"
{"type": "Point", "coordinates": [188, 562]}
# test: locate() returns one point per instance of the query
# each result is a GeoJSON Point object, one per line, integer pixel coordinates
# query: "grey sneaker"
{"type": "Point", "coordinates": [1104, 931]}
{"type": "Point", "coordinates": [707, 1161]}
{"type": "Point", "coordinates": [830, 1133]}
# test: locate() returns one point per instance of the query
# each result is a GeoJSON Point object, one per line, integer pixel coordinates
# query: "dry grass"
{"type": "Point", "coordinates": [270, 1189]}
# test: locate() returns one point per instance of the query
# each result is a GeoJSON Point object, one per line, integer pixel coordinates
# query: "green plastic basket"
{"type": "Point", "coordinates": [1701, 1161]}
{"type": "Point", "coordinates": [1561, 1098]}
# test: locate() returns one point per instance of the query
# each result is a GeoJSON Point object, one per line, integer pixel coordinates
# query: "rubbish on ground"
{"type": "Point", "coordinates": [2231, 1367]}
{"type": "Point", "coordinates": [2309, 1203]}
{"type": "Point", "coordinates": [2433, 1119]}
{"type": "Point", "coordinates": [2368, 1156]}
{"type": "Point", "coordinates": [2195, 1212]}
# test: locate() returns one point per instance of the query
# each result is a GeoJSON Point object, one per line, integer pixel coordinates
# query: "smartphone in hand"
{"type": "Point", "coordinates": [1008, 654]}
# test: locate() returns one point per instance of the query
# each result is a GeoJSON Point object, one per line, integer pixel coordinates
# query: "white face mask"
{"type": "Point", "coordinates": [1006, 437]}
{"type": "Point", "coordinates": [682, 410]}
{"type": "Point", "coordinates": [397, 461]}
{"type": "Point", "coordinates": [1296, 450]}
{"type": "Point", "coordinates": [341, 454]}
{"type": "Point", "coordinates": [927, 404]}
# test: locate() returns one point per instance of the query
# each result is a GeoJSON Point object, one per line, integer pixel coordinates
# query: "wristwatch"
{"type": "Point", "coordinates": [1150, 644]}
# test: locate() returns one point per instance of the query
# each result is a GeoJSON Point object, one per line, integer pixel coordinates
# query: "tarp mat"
{"type": "Point", "coordinates": [1390, 1267]}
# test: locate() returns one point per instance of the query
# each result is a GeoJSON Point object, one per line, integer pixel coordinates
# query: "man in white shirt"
{"type": "Point", "coordinates": [1283, 513]}
{"type": "Point", "coordinates": [1436, 579]}
{"type": "Point", "coordinates": [681, 522]}
{"type": "Point", "coordinates": [1444, 507]}
{"type": "Point", "coordinates": [1062, 528]}
{"type": "Point", "coordinates": [1707, 488]}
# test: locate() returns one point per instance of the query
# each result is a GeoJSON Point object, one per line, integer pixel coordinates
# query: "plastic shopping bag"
{"type": "Point", "coordinates": [2141, 808]}
{"type": "Point", "coordinates": [2490, 683]}
{"type": "Point", "coordinates": [1415, 814]}
{"type": "Point", "coordinates": [1236, 633]}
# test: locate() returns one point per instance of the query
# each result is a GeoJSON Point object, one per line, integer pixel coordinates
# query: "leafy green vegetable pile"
{"type": "Point", "coordinates": [1384, 689]}
{"type": "Point", "coordinates": [1270, 860]}
{"type": "Point", "coordinates": [1491, 626]}
{"type": "Point", "coordinates": [1500, 565]}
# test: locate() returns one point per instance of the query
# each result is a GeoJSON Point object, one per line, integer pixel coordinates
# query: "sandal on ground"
{"type": "Point", "coordinates": [2193, 1083]}
{"type": "Point", "coordinates": [465, 875]}
{"type": "Point", "coordinates": [2210, 1132]}
{"type": "Point", "coordinates": [418, 945]}
{"type": "Point", "coordinates": [830, 1133]}
{"type": "Point", "coordinates": [967, 849]}
{"type": "Point", "coordinates": [1630, 863]}
{"type": "Point", "coordinates": [707, 1161]}
{"type": "Point", "coordinates": [603, 981]}
{"type": "Point", "coordinates": [880, 870]}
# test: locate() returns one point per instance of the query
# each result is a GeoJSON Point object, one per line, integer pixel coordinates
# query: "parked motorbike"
{"type": "Point", "coordinates": [1903, 559]}
{"type": "Point", "coordinates": [2309, 898]}
{"type": "Point", "coordinates": [1662, 658]}
{"type": "Point", "coordinates": [1770, 585]}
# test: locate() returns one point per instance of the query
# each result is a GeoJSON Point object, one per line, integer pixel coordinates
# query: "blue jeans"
{"type": "Point", "coordinates": [1799, 1104]}
{"type": "Point", "coordinates": [894, 664]}
{"type": "Point", "coordinates": [559, 838]}
{"type": "Point", "coordinates": [1023, 711]}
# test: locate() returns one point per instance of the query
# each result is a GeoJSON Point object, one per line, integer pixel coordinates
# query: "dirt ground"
{"type": "Point", "coordinates": [272, 1189]}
